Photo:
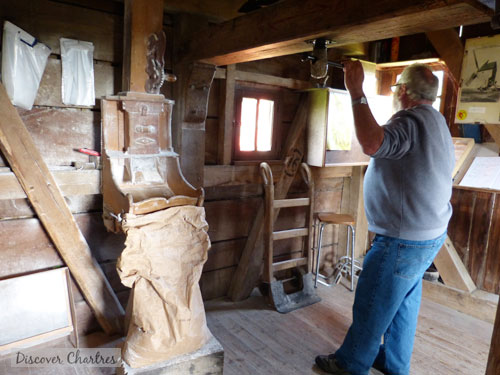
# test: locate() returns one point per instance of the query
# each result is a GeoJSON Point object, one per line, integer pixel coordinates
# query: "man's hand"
{"type": "Point", "coordinates": [353, 77]}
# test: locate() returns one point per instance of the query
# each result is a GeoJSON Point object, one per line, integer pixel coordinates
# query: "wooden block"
{"type": "Point", "coordinates": [208, 360]}
{"type": "Point", "coordinates": [451, 268]}
{"type": "Point", "coordinates": [48, 201]}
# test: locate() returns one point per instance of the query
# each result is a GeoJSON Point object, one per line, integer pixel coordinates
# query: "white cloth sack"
{"type": "Point", "coordinates": [23, 63]}
{"type": "Point", "coordinates": [77, 72]}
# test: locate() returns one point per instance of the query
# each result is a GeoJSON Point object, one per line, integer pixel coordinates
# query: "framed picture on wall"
{"type": "Point", "coordinates": [479, 93]}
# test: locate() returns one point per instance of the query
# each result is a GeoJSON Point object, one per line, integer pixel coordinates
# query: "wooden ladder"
{"type": "Point", "coordinates": [287, 302]}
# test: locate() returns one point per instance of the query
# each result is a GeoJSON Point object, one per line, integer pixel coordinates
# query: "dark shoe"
{"type": "Point", "coordinates": [329, 364]}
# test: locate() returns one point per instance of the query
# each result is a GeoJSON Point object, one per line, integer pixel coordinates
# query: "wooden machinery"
{"type": "Point", "coordinates": [141, 172]}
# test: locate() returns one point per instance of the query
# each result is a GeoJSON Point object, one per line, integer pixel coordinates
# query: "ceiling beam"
{"type": "Point", "coordinates": [285, 28]}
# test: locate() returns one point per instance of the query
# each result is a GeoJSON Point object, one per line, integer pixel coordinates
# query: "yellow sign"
{"type": "Point", "coordinates": [462, 114]}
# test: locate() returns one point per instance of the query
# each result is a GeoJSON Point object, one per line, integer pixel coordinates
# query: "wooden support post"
{"type": "Point", "coordinates": [142, 18]}
{"type": "Point", "coordinates": [47, 200]}
{"type": "Point", "coordinates": [493, 367]}
{"type": "Point", "coordinates": [196, 85]}
{"type": "Point", "coordinates": [450, 48]}
{"type": "Point", "coordinates": [249, 267]}
{"type": "Point", "coordinates": [227, 119]}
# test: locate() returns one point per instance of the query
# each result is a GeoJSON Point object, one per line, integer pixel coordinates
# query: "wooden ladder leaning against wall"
{"type": "Point", "coordinates": [282, 301]}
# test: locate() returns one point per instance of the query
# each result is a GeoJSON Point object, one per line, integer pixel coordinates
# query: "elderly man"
{"type": "Point", "coordinates": [407, 194]}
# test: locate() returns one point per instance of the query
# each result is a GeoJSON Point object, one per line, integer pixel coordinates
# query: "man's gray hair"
{"type": "Point", "coordinates": [421, 83]}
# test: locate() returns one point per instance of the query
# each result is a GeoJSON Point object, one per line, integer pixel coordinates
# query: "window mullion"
{"type": "Point", "coordinates": [257, 125]}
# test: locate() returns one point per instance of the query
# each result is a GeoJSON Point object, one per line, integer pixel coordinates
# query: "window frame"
{"type": "Point", "coordinates": [258, 93]}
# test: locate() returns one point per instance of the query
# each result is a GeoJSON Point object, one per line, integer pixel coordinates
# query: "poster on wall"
{"type": "Point", "coordinates": [479, 93]}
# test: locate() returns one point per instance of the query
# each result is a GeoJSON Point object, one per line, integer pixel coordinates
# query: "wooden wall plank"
{"type": "Point", "coordinates": [479, 236]}
{"type": "Point", "coordinates": [11, 209]}
{"type": "Point", "coordinates": [215, 284]}
{"type": "Point", "coordinates": [50, 20]}
{"type": "Point", "coordinates": [217, 175]}
{"type": "Point", "coordinates": [17, 253]}
{"type": "Point", "coordinates": [230, 219]}
{"type": "Point", "coordinates": [70, 181]}
{"type": "Point", "coordinates": [57, 133]}
{"type": "Point", "coordinates": [461, 221]}
{"type": "Point", "coordinates": [233, 192]}
{"type": "Point", "coordinates": [491, 279]}
{"type": "Point", "coordinates": [224, 254]}
{"type": "Point", "coordinates": [106, 81]}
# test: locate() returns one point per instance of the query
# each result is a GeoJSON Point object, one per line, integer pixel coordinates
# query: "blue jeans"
{"type": "Point", "coordinates": [386, 304]}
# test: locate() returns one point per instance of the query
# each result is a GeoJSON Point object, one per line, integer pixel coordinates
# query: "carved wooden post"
{"type": "Point", "coordinates": [142, 18]}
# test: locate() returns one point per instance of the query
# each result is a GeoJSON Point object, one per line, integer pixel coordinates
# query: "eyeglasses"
{"type": "Point", "coordinates": [395, 86]}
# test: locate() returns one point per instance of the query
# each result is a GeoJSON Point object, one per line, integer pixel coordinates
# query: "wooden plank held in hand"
{"type": "Point", "coordinates": [47, 200]}
{"type": "Point", "coordinates": [247, 273]}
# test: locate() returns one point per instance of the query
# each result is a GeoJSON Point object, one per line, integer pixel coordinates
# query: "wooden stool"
{"type": "Point", "coordinates": [346, 265]}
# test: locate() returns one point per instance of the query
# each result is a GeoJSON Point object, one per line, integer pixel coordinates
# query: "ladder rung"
{"type": "Point", "coordinates": [290, 263]}
{"type": "Point", "coordinates": [290, 233]}
{"type": "Point", "coordinates": [295, 202]}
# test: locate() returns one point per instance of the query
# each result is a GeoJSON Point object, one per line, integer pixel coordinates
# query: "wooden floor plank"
{"type": "Point", "coordinates": [447, 342]}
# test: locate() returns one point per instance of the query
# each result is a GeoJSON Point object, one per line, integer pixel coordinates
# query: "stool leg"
{"type": "Point", "coordinates": [352, 257]}
{"type": "Point", "coordinates": [320, 238]}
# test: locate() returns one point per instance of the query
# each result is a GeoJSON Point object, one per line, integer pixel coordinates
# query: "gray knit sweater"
{"type": "Point", "coordinates": [408, 182]}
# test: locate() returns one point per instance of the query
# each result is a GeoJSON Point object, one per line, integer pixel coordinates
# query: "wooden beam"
{"type": "Point", "coordinates": [249, 268]}
{"type": "Point", "coordinates": [479, 304]}
{"type": "Point", "coordinates": [268, 33]}
{"type": "Point", "coordinates": [142, 18]}
{"type": "Point", "coordinates": [451, 268]}
{"type": "Point", "coordinates": [226, 126]}
{"type": "Point", "coordinates": [26, 162]}
{"type": "Point", "coordinates": [493, 367]}
{"type": "Point", "coordinates": [266, 79]}
{"type": "Point", "coordinates": [450, 48]}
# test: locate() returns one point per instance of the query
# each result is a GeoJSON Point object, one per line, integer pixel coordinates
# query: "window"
{"type": "Point", "coordinates": [440, 75]}
{"type": "Point", "coordinates": [390, 73]}
{"type": "Point", "coordinates": [256, 119]}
